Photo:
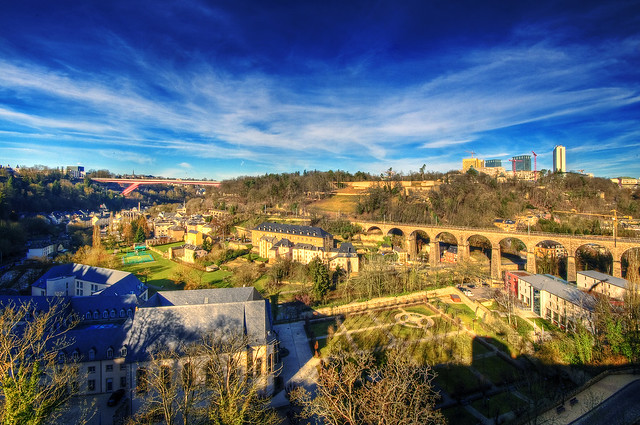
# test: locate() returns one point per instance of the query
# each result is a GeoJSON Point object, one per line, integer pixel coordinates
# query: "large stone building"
{"type": "Point", "coordinates": [552, 298]}
{"type": "Point", "coordinates": [295, 234]}
{"type": "Point", "coordinates": [303, 244]}
{"type": "Point", "coordinates": [601, 283]}
{"type": "Point", "coordinates": [559, 159]}
{"type": "Point", "coordinates": [81, 280]}
{"type": "Point", "coordinates": [117, 334]}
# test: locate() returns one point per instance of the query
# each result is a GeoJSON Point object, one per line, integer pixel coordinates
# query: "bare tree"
{"type": "Point", "coordinates": [36, 380]}
{"type": "Point", "coordinates": [353, 389]}
{"type": "Point", "coordinates": [216, 380]}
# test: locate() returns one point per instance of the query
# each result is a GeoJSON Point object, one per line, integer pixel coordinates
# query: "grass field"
{"type": "Point", "coordinates": [161, 270]}
{"type": "Point", "coordinates": [165, 248]}
{"type": "Point", "coordinates": [337, 203]}
{"type": "Point", "coordinates": [497, 405]}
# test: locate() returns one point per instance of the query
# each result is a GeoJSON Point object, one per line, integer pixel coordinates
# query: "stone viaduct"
{"type": "Point", "coordinates": [530, 239]}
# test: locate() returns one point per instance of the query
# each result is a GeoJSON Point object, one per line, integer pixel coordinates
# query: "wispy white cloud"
{"type": "Point", "coordinates": [205, 112]}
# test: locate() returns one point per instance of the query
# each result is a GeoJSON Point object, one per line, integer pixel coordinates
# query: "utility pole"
{"type": "Point", "coordinates": [535, 165]}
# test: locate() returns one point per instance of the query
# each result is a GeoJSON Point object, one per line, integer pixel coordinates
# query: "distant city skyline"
{"type": "Point", "coordinates": [222, 89]}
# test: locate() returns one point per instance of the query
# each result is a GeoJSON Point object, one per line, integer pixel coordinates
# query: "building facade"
{"type": "Point", "coordinates": [523, 162]}
{"type": "Point", "coordinates": [595, 282]}
{"type": "Point", "coordinates": [559, 159]}
{"type": "Point", "coordinates": [81, 280]}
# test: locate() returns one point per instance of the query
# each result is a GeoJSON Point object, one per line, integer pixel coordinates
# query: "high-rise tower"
{"type": "Point", "coordinates": [559, 159]}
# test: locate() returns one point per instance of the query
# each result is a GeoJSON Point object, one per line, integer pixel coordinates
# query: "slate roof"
{"type": "Point", "coordinates": [99, 337]}
{"type": "Point", "coordinates": [175, 317]}
{"type": "Point", "coordinates": [616, 281]}
{"type": "Point", "coordinates": [293, 229]}
{"type": "Point", "coordinates": [283, 242]}
{"type": "Point", "coordinates": [307, 246]}
{"type": "Point", "coordinates": [203, 296]}
{"type": "Point", "coordinates": [561, 289]}
{"type": "Point", "coordinates": [120, 283]}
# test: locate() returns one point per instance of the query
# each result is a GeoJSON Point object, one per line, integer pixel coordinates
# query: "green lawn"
{"type": "Point", "coordinates": [371, 340]}
{"type": "Point", "coordinates": [358, 321]}
{"type": "Point", "coordinates": [497, 405]}
{"type": "Point", "coordinates": [406, 332]}
{"type": "Point", "coordinates": [386, 316]}
{"type": "Point", "coordinates": [420, 310]}
{"type": "Point", "coordinates": [165, 248]}
{"type": "Point", "coordinates": [479, 348]}
{"type": "Point", "coordinates": [457, 380]}
{"type": "Point", "coordinates": [459, 416]}
{"type": "Point", "coordinates": [320, 328]}
{"type": "Point", "coordinates": [496, 369]}
{"type": "Point", "coordinates": [161, 270]}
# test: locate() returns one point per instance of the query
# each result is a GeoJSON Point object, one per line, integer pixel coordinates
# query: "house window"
{"type": "Point", "coordinates": [129, 312]}
{"type": "Point", "coordinates": [88, 315]}
{"type": "Point", "coordinates": [91, 384]}
{"type": "Point", "coordinates": [123, 352]}
{"type": "Point", "coordinates": [96, 315]}
{"type": "Point", "coordinates": [109, 384]}
{"type": "Point", "coordinates": [123, 366]}
{"type": "Point", "coordinates": [108, 368]}
{"type": "Point", "coordinates": [122, 313]}
{"type": "Point", "coordinates": [112, 314]}
{"type": "Point", "coordinates": [75, 356]}
{"type": "Point", "coordinates": [123, 382]}
{"type": "Point", "coordinates": [92, 354]}
{"type": "Point", "coordinates": [105, 314]}
{"type": "Point", "coordinates": [109, 353]}
{"type": "Point", "coordinates": [91, 369]}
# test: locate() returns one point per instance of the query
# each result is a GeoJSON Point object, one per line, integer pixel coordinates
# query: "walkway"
{"type": "Point", "coordinates": [588, 400]}
{"type": "Point", "coordinates": [299, 367]}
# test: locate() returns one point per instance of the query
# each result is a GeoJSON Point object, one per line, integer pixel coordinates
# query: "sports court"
{"type": "Point", "coordinates": [137, 257]}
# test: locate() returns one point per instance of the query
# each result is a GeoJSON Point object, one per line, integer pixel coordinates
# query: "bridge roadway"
{"type": "Point", "coordinates": [135, 183]}
{"type": "Point", "coordinates": [617, 247]}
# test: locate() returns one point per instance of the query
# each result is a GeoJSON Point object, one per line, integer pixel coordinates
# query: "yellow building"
{"type": "Point", "coordinates": [472, 163]}
{"type": "Point", "coordinates": [193, 237]}
{"type": "Point", "coordinates": [294, 233]}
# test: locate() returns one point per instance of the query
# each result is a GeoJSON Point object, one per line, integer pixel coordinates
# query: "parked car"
{"type": "Point", "coordinates": [468, 293]}
{"type": "Point", "coordinates": [115, 397]}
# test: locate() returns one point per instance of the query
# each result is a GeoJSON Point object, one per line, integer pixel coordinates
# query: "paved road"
{"type": "Point", "coordinates": [299, 367]}
{"type": "Point", "coordinates": [622, 408]}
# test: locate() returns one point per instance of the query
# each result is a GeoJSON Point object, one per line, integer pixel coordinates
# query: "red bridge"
{"type": "Point", "coordinates": [134, 183]}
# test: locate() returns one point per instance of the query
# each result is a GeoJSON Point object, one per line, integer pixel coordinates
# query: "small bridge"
{"type": "Point", "coordinates": [134, 183]}
{"type": "Point", "coordinates": [433, 234]}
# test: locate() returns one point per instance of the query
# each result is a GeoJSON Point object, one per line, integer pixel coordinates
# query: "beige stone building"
{"type": "Point", "coordinates": [601, 283]}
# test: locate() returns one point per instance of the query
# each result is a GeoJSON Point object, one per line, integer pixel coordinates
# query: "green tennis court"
{"type": "Point", "coordinates": [137, 257]}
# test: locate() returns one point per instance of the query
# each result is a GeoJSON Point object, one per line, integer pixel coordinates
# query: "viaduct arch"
{"type": "Point", "coordinates": [494, 236]}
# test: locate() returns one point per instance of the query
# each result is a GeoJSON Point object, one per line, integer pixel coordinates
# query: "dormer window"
{"type": "Point", "coordinates": [112, 314]}
{"type": "Point", "coordinates": [110, 352]}
{"type": "Point", "coordinates": [123, 352]}
{"type": "Point", "coordinates": [122, 313]}
{"type": "Point", "coordinates": [75, 356]}
{"type": "Point", "coordinates": [92, 354]}
{"type": "Point", "coordinates": [88, 315]}
{"type": "Point", "coordinates": [96, 315]}
{"type": "Point", "coordinates": [61, 357]}
{"type": "Point", "coordinates": [129, 312]}
{"type": "Point", "coordinates": [105, 314]}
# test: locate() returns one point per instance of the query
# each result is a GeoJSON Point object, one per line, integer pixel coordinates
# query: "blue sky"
{"type": "Point", "coordinates": [218, 89]}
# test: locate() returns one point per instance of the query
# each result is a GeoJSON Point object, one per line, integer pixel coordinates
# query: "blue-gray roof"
{"type": "Point", "coordinates": [174, 317]}
{"type": "Point", "coordinates": [120, 283]}
{"type": "Point", "coordinates": [616, 281]}
{"type": "Point", "coordinates": [293, 229]}
{"type": "Point", "coordinates": [560, 288]}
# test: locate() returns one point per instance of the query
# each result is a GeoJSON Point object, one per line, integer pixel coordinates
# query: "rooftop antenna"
{"type": "Point", "coordinates": [471, 152]}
